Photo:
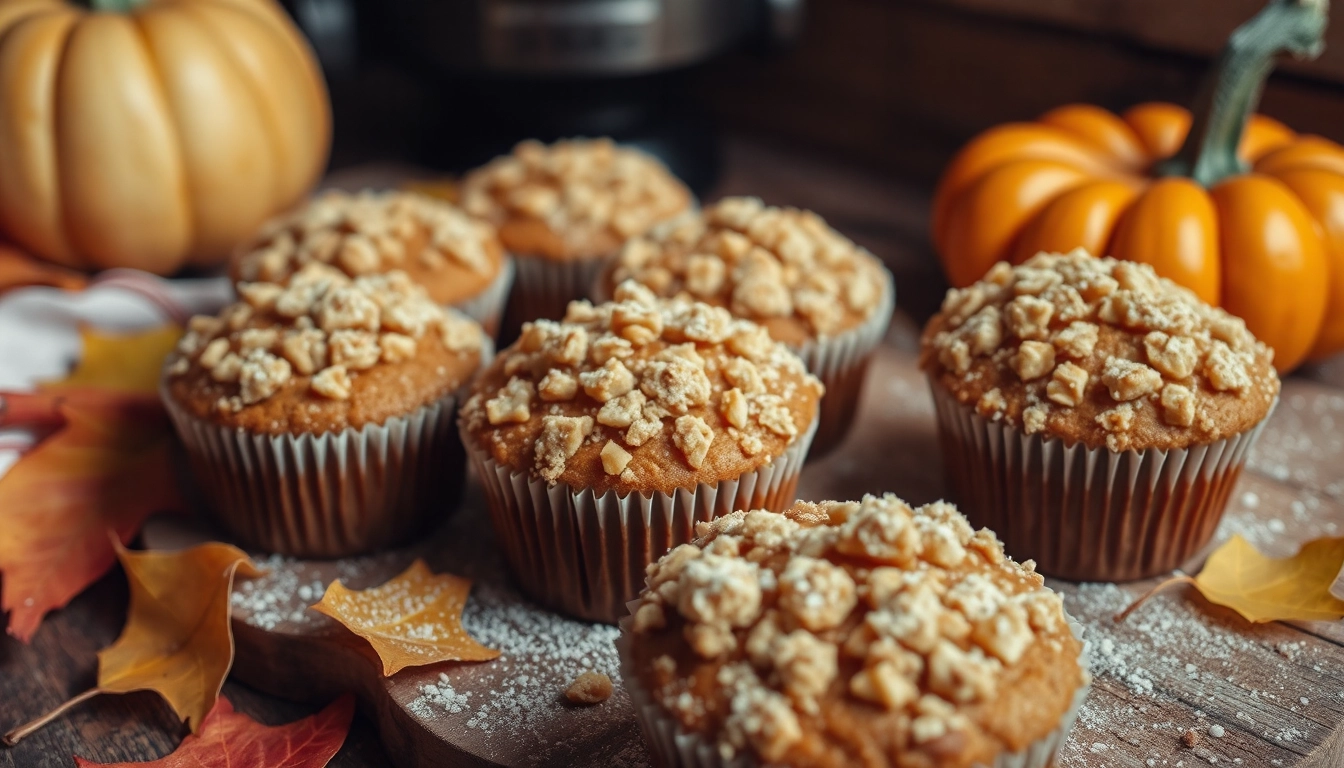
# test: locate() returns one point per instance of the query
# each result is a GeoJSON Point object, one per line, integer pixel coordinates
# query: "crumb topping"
{"type": "Point", "coordinates": [626, 374]}
{"type": "Point", "coordinates": [576, 188]}
{"type": "Point", "coordinates": [321, 326]}
{"type": "Point", "coordinates": [589, 688]}
{"type": "Point", "coordinates": [902, 612]}
{"type": "Point", "coordinates": [368, 233]}
{"type": "Point", "coordinates": [1109, 339]}
{"type": "Point", "coordinates": [762, 263]}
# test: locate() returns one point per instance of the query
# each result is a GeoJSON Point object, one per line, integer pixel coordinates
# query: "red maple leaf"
{"type": "Point", "coordinates": [102, 466]}
{"type": "Point", "coordinates": [105, 469]}
{"type": "Point", "coordinates": [228, 739]}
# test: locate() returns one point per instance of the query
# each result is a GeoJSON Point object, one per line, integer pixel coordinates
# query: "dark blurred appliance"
{"type": "Point", "coordinates": [486, 73]}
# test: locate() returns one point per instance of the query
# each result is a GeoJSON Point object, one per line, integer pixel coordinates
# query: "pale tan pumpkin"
{"type": "Point", "coordinates": [155, 137]}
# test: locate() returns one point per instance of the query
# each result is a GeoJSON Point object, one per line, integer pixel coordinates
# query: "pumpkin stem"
{"type": "Point", "coordinates": [1232, 90]}
{"type": "Point", "coordinates": [114, 6]}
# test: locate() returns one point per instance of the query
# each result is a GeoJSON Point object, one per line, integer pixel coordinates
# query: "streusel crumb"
{"type": "Point", "coordinates": [902, 623]}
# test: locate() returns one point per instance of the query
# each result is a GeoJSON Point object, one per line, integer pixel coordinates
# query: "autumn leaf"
{"type": "Point", "coordinates": [412, 620]}
{"type": "Point", "coordinates": [177, 640]}
{"type": "Point", "coordinates": [129, 363]}
{"type": "Point", "coordinates": [228, 739]}
{"type": "Point", "coordinates": [104, 467]}
{"type": "Point", "coordinates": [18, 269]}
{"type": "Point", "coordinates": [1261, 589]}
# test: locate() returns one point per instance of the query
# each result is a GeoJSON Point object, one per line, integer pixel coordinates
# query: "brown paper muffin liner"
{"type": "Point", "coordinates": [544, 287]}
{"type": "Point", "coordinates": [1086, 514]}
{"type": "Point", "coordinates": [675, 747]}
{"type": "Point", "coordinates": [841, 363]}
{"type": "Point", "coordinates": [487, 307]}
{"type": "Point", "coordinates": [584, 553]}
{"type": "Point", "coordinates": [327, 495]}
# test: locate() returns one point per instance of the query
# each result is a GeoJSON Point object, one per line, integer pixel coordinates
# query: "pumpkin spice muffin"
{"type": "Point", "coordinates": [562, 210]}
{"type": "Point", "coordinates": [604, 438]}
{"type": "Point", "coordinates": [457, 258]}
{"type": "Point", "coordinates": [825, 297]}
{"type": "Point", "coordinates": [317, 415]}
{"type": "Point", "coordinates": [1093, 414]}
{"type": "Point", "coordinates": [851, 633]}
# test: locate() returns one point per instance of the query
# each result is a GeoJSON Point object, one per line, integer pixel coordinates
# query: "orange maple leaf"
{"type": "Point", "coordinates": [232, 740]}
{"type": "Point", "coordinates": [177, 640]}
{"type": "Point", "coordinates": [412, 620]}
{"type": "Point", "coordinates": [105, 468]}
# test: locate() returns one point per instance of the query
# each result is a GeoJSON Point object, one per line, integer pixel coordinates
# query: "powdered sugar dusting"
{"type": "Point", "coordinates": [510, 711]}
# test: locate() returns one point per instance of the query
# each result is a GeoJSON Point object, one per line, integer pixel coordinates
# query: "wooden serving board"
{"type": "Point", "coordinates": [1179, 663]}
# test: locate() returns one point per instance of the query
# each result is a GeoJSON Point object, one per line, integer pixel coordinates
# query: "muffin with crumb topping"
{"type": "Point", "coordinates": [602, 439]}
{"type": "Point", "coordinates": [844, 633]}
{"type": "Point", "coordinates": [317, 415]}
{"type": "Point", "coordinates": [816, 291]}
{"type": "Point", "coordinates": [456, 258]}
{"type": "Point", "coordinates": [1094, 414]}
{"type": "Point", "coordinates": [562, 210]}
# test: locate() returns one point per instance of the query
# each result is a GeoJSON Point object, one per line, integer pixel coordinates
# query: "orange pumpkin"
{"type": "Point", "coordinates": [1240, 209]}
{"type": "Point", "coordinates": [153, 133]}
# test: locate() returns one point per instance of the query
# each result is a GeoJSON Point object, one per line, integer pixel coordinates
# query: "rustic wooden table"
{"type": "Point", "coordinates": [889, 218]}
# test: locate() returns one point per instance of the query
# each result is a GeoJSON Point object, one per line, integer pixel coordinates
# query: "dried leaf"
{"type": "Point", "coordinates": [18, 269]}
{"type": "Point", "coordinates": [228, 739]}
{"type": "Point", "coordinates": [105, 467]}
{"type": "Point", "coordinates": [130, 362]}
{"type": "Point", "coordinates": [412, 620]}
{"type": "Point", "coordinates": [177, 640]}
{"type": "Point", "coordinates": [1261, 589]}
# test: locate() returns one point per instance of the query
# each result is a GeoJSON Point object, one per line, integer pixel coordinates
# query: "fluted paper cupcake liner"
{"type": "Point", "coordinates": [331, 494]}
{"type": "Point", "coordinates": [584, 553]}
{"type": "Point", "coordinates": [487, 307]}
{"type": "Point", "coordinates": [675, 747]}
{"type": "Point", "coordinates": [841, 362]}
{"type": "Point", "coordinates": [1087, 514]}
{"type": "Point", "coordinates": [543, 288]}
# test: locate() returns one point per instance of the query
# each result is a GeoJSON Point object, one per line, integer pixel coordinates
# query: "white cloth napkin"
{"type": "Point", "coordinates": [39, 326]}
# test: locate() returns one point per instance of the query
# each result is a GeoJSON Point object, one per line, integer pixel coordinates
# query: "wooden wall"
{"type": "Point", "coordinates": [902, 83]}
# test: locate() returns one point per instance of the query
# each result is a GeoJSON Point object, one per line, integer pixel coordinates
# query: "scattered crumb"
{"type": "Point", "coordinates": [589, 688]}
{"type": "Point", "coordinates": [1216, 731]}
{"type": "Point", "coordinates": [1189, 739]}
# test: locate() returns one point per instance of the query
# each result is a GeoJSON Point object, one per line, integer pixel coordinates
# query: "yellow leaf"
{"type": "Point", "coordinates": [1261, 589]}
{"type": "Point", "coordinates": [122, 362]}
{"type": "Point", "coordinates": [1297, 588]}
{"type": "Point", "coordinates": [177, 640]}
{"type": "Point", "coordinates": [412, 620]}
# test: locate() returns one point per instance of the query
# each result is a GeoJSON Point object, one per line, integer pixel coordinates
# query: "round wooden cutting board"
{"type": "Point", "coordinates": [1177, 664]}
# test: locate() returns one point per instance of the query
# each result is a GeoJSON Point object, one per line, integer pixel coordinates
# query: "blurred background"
{"type": "Point", "coordinates": [864, 100]}
{"type": "Point", "coordinates": [895, 85]}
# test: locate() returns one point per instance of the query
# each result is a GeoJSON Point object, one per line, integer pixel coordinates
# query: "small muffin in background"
{"type": "Point", "coordinates": [838, 629]}
{"type": "Point", "coordinates": [602, 439]}
{"type": "Point", "coordinates": [828, 299]}
{"type": "Point", "coordinates": [458, 259]}
{"type": "Point", "coordinates": [562, 210]}
{"type": "Point", "coordinates": [317, 415]}
{"type": "Point", "coordinates": [1094, 414]}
